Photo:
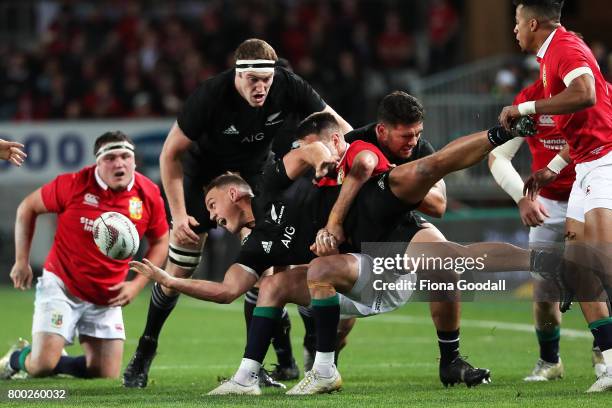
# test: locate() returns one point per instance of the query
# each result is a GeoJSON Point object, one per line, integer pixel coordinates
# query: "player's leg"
{"type": "Point", "coordinates": [56, 314]}
{"type": "Point", "coordinates": [103, 356]}
{"type": "Point", "coordinates": [446, 314]}
{"type": "Point", "coordinates": [274, 292]}
{"type": "Point", "coordinates": [546, 313]}
{"type": "Point", "coordinates": [598, 236]}
{"type": "Point", "coordinates": [183, 260]}
{"type": "Point", "coordinates": [326, 277]}
{"type": "Point", "coordinates": [410, 182]}
{"type": "Point", "coordinates": [286, 369]}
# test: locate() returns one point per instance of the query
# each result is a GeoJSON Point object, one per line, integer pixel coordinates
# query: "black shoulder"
{"type": "Point", "coordinates": [366, 133]}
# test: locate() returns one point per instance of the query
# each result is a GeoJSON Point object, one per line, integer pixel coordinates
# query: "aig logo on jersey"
{"type": "Point", "coordinates": [135, 208]}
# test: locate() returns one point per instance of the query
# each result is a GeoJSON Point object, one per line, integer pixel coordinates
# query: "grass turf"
{"type": "Point", "coordinates": [391, 360]}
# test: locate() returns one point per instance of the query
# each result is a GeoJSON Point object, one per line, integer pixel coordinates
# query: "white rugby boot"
{"type": "Point", "coordinates": [313, 383]}
{"type": "Point", "coordinates": [545, 371]}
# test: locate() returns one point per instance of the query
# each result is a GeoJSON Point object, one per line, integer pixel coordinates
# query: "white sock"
{"type": "Point", "coordinates": [247, 372]}
{"type": "Point", "coordinates": [324, 363]}
{"type": "Point", "coordinates": [607, 356]}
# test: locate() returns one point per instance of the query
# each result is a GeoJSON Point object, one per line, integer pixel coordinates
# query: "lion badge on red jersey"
{"type": "Point", "coordinates": [135, 208]}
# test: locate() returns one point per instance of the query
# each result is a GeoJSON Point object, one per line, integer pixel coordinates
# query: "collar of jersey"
{"type": "Point", "coordinates": [104, 186]}
{"type": "Point", "coordinates": [544, 47]}
{"type": "Point", "coordinates": [348, 145]}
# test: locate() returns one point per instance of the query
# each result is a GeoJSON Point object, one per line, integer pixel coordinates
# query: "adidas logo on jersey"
{"type": "Point", "coordinates": [271, 119]}
{"type": "Point", "coordinates": [267, 246]}
{"type": "Point", "coordinates": [231, 130]}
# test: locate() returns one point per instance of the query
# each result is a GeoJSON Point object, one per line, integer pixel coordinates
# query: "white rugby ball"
{"type": "Point", "coordinates": [115, 235]}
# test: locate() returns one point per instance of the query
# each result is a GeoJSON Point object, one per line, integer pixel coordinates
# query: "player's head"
{"type": "Point", "coordinates": [254, 61]}
{"type": "Point", "coordinates": [227, 197]}
{"type": "Point", "coordinates": [534, 21]}
{"type": "Point", "coordinates": [115, 162]}
{"type": "Point", "coordinates": [323, 127]}
{"type": "Point", "coordinates": [400, 124]}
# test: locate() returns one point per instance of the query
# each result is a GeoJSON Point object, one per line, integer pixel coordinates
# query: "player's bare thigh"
{"type": "Point", "coordinates": [286, 285]}
{"type": "Point", "coordinates": [45, 354]}
{"type": "Point", "coordinates": [341, 271]}
{"type": "Point", "coordinates": [103, 356]}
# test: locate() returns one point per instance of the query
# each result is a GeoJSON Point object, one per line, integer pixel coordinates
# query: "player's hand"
{"type": "Point", "coordinates": [533, 213]}
{"type": "Point", "coordinates": [537, 180]}
{"type": "Point", "coordinates": [127, 292]}
{"type": "Point", "coordinates": [325, 244]}
{"type": "Point", "coordinates": [325, 167]}
{"type": "Point", "coordinates": [21, 275]}
{"type": "Point", "coordinates": [151, 271]}
{"type": "Point", "coordinates": [11, 151]}
{"type": "Point", "coordinates": [508, 115]}
{"type": "Point", "coordinates": [336, 231]}
{"type": "Point", "coordinates": [182, 232]}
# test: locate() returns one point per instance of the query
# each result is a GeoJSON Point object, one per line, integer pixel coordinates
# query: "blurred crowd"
{"type": "Point", "coordinates": [512, 78]}
{"type": "Point", "coordinates": [141, 59]}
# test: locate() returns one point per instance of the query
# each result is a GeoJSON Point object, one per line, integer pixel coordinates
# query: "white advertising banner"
{"type": "Point", "coordinates": [66, 146]}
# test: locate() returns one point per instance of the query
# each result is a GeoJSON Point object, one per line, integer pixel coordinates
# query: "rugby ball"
{"type": "Point", "coordinates": [115, 235]}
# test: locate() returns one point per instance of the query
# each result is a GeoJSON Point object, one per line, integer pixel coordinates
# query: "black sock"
{"type": "Point", "coordinates": [74, 366]}
{"type": "Point", "coordinates": [261, 330]}
{"type": "Point", "coordinates": [549, 344]}
{"type": "Point", "coordinates": [160, 307]}
{"type": "Point", "coordinates": [602, 331]}
{"type": "Point", "coordinates": [448, 342]}
{"type": "Point", "coordinates": [282, 341]}
{"type": "Point", "coordinates": [250, 301]}
{"type": "Point", "coordinates": [326, 313]}
{"type": "Point", "coordinates": [310, 336]}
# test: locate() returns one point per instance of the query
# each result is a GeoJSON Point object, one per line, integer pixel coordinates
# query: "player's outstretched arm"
{"type": "Point", "coordinates": [11, 152]}
{"type": "Point", "coordinates": [25, 221]}
{"type": "Point", "coordinates": [171, 169]}
{"type": "Point", "coordinates": [236, 282]}
{"type": "Point", "coordinates": [579, 94]}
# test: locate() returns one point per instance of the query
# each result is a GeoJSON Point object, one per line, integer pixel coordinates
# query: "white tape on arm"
{"type": "Point", "coordinates": [567, 80]}
{"type": "Point", "coordinates": [527, 108]}
{"type": "Point", "coordinates": [557, 164]}
{"type": "Point", "coordinates": [502, 170]}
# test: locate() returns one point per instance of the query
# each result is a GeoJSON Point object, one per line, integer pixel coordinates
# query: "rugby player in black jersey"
{"type": "Point", "coordinates": [227, 124]}
{"type": "Point", "coordinates": [398, 134]}
{"type": "Point", "coordinates": [284, 221]}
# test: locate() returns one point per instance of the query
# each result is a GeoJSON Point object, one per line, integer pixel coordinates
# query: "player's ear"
{"type": "Point", "coordinates": [534, 24]}
{"type": "Point", "coordinates": [380, 129]}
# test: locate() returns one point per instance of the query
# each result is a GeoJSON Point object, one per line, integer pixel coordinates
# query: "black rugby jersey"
{"type": "Point", "coordinates": [288, 215]}
{"type": "Point", "coordinates": [228, 133]}
{"type": "Point", "coordinates": [368, 134]}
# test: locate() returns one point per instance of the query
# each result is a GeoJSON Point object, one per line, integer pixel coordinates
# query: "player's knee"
{"type": "Point", "coordinates": [319, 270]}
{"type": "Point", "coordinates": [41, 366]}
{"type": "Point", "coordinates": [272, 290]}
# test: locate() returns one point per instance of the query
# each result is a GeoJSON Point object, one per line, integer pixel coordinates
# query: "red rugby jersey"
{"type": "Point", "coordinates": [589, 131]}
{"type": "Point", "coordinates": [347, 162]}
{"type": "Point", "coordinates": [78, 199]}
{"type": "Point", "coordinates": [545, 145]}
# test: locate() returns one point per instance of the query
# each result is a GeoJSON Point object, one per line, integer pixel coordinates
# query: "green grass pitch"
{"type": "Point", "coordinates": [390, 361]}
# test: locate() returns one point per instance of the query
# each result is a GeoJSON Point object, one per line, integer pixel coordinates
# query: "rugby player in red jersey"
{"type": "Point", "coordinates": [81, 289]}
{"type": "Point", "coordinates": [577, 95]}
{"type": "Point", "coordinates": [546, 218]}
